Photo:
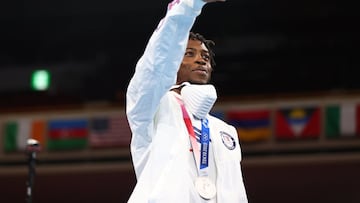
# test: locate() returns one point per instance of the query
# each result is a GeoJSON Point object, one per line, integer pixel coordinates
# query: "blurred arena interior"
{"type": "Point", "coordinates": [270, 55]}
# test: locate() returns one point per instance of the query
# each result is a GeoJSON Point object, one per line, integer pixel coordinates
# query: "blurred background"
{"type": "Point", "coordinates": [286, 75]}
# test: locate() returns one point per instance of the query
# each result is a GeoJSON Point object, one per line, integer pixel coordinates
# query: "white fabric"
{"type": "Point", "coordinates": [199, 99]}
{"type": "Point", "coordinates": [163, 163]}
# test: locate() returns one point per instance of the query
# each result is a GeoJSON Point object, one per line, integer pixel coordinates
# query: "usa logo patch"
{"type": "Point", "coordinates": [227, 140]}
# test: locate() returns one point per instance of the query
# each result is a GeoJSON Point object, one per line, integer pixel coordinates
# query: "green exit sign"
{"type": "Point", "coordinates": [40, 80]}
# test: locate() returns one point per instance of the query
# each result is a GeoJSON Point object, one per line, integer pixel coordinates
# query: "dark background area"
{"type": "Point", "coordinates": [263, 47]}
{"type": "Point", "coordinates": [315, 180]}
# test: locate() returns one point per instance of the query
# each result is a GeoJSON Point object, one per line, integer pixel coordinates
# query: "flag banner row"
{"type": "Point", "coordinates": [67, 133]}
{"type": "Point", "coordinates": [294, 122]}
{"type": "Point", "coordinates": [281, 123]}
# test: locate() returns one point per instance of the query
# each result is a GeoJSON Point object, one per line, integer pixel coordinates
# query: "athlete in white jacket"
{"type": "Point", "coordinates": [180, 153]}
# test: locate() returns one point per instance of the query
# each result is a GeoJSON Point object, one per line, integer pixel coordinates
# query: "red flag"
{"type": "Point", "coordinates": [298, 122]}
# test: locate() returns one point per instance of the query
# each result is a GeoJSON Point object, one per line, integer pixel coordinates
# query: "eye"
{"type": "Point", "coordinates": [206, 57]}
{"type": "Point", "coordinates": [189, 53]}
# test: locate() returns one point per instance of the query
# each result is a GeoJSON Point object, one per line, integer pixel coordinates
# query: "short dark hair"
{"type": "Point", "coordinates": [208, 43]}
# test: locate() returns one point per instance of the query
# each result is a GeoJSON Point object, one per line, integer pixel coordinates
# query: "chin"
{"type": "Point", "coordinates": [199, 82]}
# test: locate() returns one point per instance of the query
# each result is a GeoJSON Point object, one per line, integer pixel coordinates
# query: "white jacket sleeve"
{"type": "Point", "coordinates": [156, 70]}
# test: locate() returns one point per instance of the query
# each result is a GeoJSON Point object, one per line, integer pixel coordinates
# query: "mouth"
{"type": "Point", "coordinates": [200, 70]}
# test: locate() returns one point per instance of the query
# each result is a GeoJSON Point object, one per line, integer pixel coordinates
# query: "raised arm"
{"type": "Point", "coordinates": [156, 70]}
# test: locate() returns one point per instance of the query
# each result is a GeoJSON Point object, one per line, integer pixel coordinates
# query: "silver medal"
{"type": "Point", "coordinates": [205, 187]}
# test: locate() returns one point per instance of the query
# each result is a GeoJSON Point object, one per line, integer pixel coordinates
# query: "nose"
{"type": "Point", "coordinates": [200, 60]}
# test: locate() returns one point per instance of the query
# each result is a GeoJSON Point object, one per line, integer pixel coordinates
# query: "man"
{"type": "Point", "coordinates": [180, 153]}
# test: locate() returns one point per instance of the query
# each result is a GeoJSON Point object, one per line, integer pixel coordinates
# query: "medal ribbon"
{"type": "Point", "coordinates": [202, 159]}
{"type": "Point", "coordinates": [205, 141]}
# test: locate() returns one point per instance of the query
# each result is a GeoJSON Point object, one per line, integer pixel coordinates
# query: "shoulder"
{"type": "Point", "coordinates": [169, 98]}
{"type": "Point", "coordinates": [168, 104]}
{"type": "Point", "coordinates": [227, 135]}
{"type": "Point", "coordinates": [218, 121]}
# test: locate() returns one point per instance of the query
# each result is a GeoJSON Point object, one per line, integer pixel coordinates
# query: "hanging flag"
{"type": "Point", "coordinates": [251, 125]}
{"type": "Point", "coordinates": [16, 134]}
{"type": "Point", "coordinates": [38, 131]}
{"type": "Point", "coordinates": [111, 131]}
{"type": "Point", "coordinates": [342, 120]}
{"type": "Point", "coordinates": [297, 122]}
{"type": "Point", "coordinates": [67, 134]}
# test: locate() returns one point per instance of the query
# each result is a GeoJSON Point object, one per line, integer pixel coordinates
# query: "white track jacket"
{"type": "Point", "coordinates": [163, 163]}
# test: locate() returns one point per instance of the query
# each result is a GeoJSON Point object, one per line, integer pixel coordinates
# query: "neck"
{"type": "Point", "coordinates": [177, 90]}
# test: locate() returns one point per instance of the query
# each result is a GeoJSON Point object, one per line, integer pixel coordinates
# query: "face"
{"type": "Point", "coordinates": [195, 67]}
